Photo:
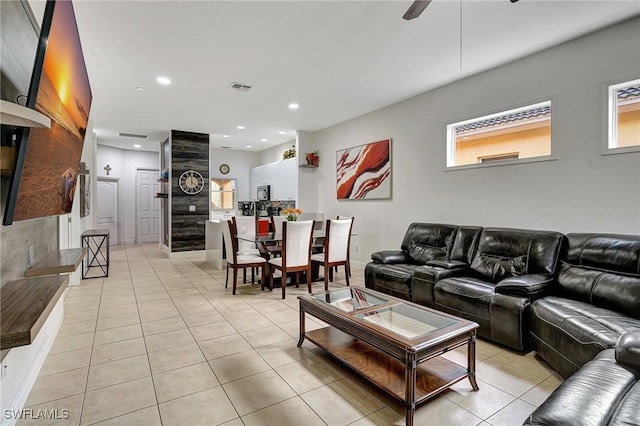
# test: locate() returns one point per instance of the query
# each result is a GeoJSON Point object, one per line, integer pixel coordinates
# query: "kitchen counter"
{"type": "Point", "coordinates": [213, 243]}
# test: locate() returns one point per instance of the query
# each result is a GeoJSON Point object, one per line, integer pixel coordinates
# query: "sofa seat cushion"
{"type": "Point", "coordinates": [575, 329]}
{"type": "Point", "coordinates": [601, 393]}
{"type": "Point", "coordinates": [502, 318]}
{"type": "Point", "coordinates": [628, 412]}
{"type": "Point", "coordinates": [465, 294]}
{"type": "Point", "coordinates": [393, 279]}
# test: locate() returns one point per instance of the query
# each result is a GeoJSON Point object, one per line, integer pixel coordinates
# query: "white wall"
{"type": "Point", "coordinates": [581, 191]}
{"type": "Point", "coordinates": [124, 165]}
{"type": "Point", "coordinates": [240, 163]}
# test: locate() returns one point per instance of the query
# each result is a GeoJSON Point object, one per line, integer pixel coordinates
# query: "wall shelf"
{"type": "Point", "coordinates": [62, 261]}
{"type": "Point", "coordinates": [25, 305]}
{"type": "Point", "coordinates": [17, 115]}
{"type": "Point", "coordinates": [307, 166]}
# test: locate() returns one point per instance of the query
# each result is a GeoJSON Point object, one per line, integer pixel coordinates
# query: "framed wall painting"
{"type": "Point", "coordinates": [364, 172]}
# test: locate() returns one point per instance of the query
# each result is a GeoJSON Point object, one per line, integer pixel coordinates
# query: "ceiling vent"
{"type": "Point", "coordinates": [225, 147]}
{"type": "Point", "coordinates": [133, 135]}
{"type": "Point", "coordinates": [239, 87]}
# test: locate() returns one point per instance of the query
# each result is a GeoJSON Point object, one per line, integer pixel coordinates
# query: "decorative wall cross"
{"type": "Point", "coordinates": [107, 168]}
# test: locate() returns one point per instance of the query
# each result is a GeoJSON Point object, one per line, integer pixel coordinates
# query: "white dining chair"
{"type": "Point", "coordinates": [246, 225]}
{"type": "Point", "coordinates": [336, 249]}
{"type": "Point", "coordinates": [237, 261]}
{"type": "Point", "coordinates": [296, 253]}
{"type": "Point", "coordinates": [348, 248]}
{"type": "Point", "coordinates": [276, 223]}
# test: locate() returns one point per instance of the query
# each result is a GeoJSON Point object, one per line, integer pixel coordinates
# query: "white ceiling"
{"type": "Point", "coordinates": [337, 59]}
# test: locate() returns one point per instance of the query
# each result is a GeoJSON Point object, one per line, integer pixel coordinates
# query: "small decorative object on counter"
{"type": "Point", "coordinates": [313, 158]}
{"type": "Point", "coordinates": [291, 213]}
{"type": "Point", "coordinates": [290, 153]}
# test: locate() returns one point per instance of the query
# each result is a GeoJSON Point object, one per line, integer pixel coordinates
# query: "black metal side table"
{"type": "Point", "coordinates": [97, 243]}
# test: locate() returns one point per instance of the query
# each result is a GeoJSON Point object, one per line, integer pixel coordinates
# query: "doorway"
{"type": "Point", "coordinates": [147, 206]}
{"type": "Point", "coordinates": [107, 212]}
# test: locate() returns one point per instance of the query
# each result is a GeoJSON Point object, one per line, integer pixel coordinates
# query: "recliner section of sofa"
{"type": "Point", "coordinates": [605, 391]}
{"type": "Point", "coordinates": [393, 271]}
{"type": "Point", "coordinates": [595, 300]}
{"type": "Point", "coordinates": [510, 268]}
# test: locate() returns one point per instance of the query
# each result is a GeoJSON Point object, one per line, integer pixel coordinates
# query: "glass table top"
{"type": "Point", "coordinates": [407, 321]}
{"type": "Point", "coordinates": [350, 299]}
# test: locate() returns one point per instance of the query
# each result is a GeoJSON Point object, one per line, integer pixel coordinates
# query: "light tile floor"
{"type": "Point", "coordinates": [162, 342]}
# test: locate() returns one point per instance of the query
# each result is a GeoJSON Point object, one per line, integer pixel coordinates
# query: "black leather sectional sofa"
{"type": "Point", "coordinates": [567, 296]}
{"type": "Point", "coordinates": [575, 299]}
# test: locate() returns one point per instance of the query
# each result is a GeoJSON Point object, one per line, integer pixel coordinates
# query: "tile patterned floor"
{"type": "Point", "coordinates": [162, 342]}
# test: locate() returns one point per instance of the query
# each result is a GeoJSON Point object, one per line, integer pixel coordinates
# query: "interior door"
{"type": "Point", "coordinates": [107, 213]}
{"type": "Point", "coordinates": [147, 207]}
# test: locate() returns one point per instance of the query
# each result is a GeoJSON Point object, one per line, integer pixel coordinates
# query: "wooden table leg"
{"type": "Point", "coordinates": [301, 339]}
{"type": "Point", "coordinates": [410, 381]}
{"type": "Point", "coordinates": [471, 362]}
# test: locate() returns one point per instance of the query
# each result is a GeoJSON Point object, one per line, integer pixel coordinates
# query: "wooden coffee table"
{"type": "Point", "coordinates": [394, 344]}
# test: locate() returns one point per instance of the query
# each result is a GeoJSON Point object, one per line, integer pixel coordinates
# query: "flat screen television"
{"type": "Point", "coordinates": [44, 180]}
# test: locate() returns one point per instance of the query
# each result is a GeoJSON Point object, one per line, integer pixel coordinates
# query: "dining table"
{"type": "Point", "coordinates": [263, 241]}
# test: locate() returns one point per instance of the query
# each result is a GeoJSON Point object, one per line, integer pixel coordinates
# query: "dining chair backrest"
{"type": "Point", "coordinates": [277, 222]}
{"type": "Point", "coordinates": [338, 234]}
{"type": "Point", "coordinates": [246, 225]}
{"type": "Point", "coordinates": [229, 244]}
{"type": "Point", "coordinates": [296, 242]}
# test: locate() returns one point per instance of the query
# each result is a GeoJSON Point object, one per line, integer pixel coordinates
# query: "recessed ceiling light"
{"type": "Point", "coordinates": [140, 89]}
{"type": "Point", "coordinates": [163, 80]}
{"type": "Point", "coordinates": [225, 136]}
{"type": "Point", "coordinates": [248, 146]}
{"type": "Point", "coordinates": [240, 127]}
{"type": "Point", "coordinates": [282, 132]}
{"type": "Point", "coordinates": [264, 140]}
{"type": "Point", "coordinates": [294, 105]}
{"type": "Point", "coordinates": [137, 146]}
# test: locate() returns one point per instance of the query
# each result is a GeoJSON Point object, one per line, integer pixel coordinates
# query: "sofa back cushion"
{"type": "Point", "coordinates": [465, 244]}
{"type": "Point", "coordinates": [608, 252]}
{"type": "Point", "coordinates": [428, 241]}
{"type": "Point", "coordinates": [603, 270]}
{"type": "Point", "coordinates": [504, 252]}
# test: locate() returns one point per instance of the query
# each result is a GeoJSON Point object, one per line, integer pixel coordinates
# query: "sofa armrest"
{"type": "Point", "coordinates": [447, 264]}
{"type": "Point", "coordinates": [390, 256]}
{"type": "Point", "coordinates": [628, 350]}
{"type": "Point", "coordinates": [433, 274]}
{"type": "Point", "coordinates": [531, 285]}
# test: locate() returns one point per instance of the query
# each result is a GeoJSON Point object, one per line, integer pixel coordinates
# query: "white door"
{"type": "Point", "coordinates": [147, 207]}
{"type": "Point", "coordinates": [107, 200]}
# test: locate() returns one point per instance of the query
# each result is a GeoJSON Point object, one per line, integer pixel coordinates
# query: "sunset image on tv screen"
{"type": "Point", "coordinates": [52, 160]}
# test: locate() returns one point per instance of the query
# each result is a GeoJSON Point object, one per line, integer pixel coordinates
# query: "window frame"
{"type": "Point", "coordinates": [450, 136]}
{"type": "Point", "coordinates": [611, 117]}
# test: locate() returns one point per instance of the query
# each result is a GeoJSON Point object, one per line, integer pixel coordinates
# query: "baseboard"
{"type": "Point", "coordinates": [360, 264]}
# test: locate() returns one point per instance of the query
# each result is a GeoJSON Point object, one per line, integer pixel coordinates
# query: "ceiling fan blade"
{"type": "Point", "coordinates": [416, 9]}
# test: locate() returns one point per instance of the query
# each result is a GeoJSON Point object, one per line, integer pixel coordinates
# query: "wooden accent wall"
{"type": "Point", "coordinates": [189, 151]}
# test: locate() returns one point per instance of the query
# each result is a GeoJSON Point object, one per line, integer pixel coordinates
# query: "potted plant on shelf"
{"type": "Point", "coordinates": [291, 213]}
{"type": "Point", "coordinates": [313, 158]}
{"type": "Point", "coordinates": [289, 153]}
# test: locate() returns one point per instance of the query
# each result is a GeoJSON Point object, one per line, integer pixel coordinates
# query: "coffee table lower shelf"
{"type": "Point", "coordinates": [432, 376]}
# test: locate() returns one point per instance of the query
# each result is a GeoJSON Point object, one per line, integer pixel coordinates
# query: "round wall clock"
{"type": "Point", "coordinates": [191, 182]}
{"type": "Point", "coordinates": [224, 169]}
